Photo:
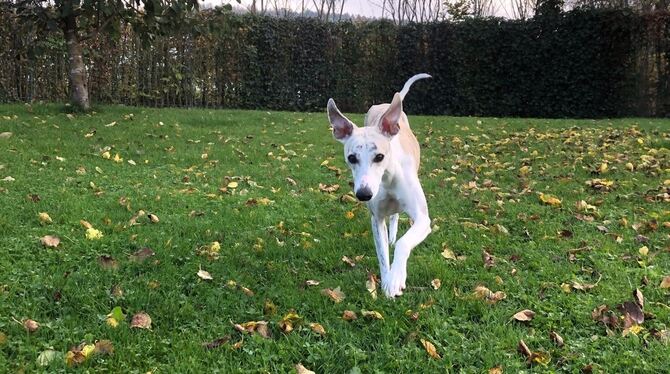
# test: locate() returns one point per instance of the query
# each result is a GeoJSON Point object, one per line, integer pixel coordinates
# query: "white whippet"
{"type": "Point", "coordinates": [384, 158]}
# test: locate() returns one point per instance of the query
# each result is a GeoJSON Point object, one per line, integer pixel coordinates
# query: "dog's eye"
{"type": "Point", "coordinates": [379, 157]}
{"type": "Point", "coordinates": [352, 159]}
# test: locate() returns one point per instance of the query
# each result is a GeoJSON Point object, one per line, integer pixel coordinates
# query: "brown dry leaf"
{"type": "Point", "coordinates": [496, 370]}
{"type": "Point", "coordinates": [328, 188]}
{"type": "Point", "coordinates": [631, 311]}
{"type": "Point", "coordinates": [349, 315]}
{"type": "Point", "coordinates": [104, 347]}
{"type": "Point", "coordinates": [135, 217]}
{"type": "Point", "coordinates": [50, 241]}
{"type": "Point", "coordinates": [665, 283]}
{"type": "Point", "coordinates": [489, 296]}
{"type": "Point", "coordinates": [371, 314]}
{"type": "Point", "coordinates": [638, 297]}
{"type": "Point", "coordinates": [556, 338]}
{"type": "Point", "coordinates": [31, 325]}
{"type": "Point", "coordinates": [489, 261]}
{"type": "Point", "coordinates": [334, 294]}
{"type": "Point", "coordinates": [550, 200]}
{"type": "Point", "coordinates": [582, 286]}
{"type": "Point", "coordinates": [287, 322]}
{"type": "Point", "coordinates": [153, 218]}
{"type": "Point", "coordinates": [430, 348]}
{"type": "Point", "coordinates": [348, 261]}
{"type": "Point", "coordinates": [141, 320]}
{"type": "Point", "coordinates": [371, 285]}
{"type": "Point", "coordinates": [216, 343]}
{"type": "Point", "coordinates": [524, 315]}
{"type": "Point", "coordinates": [263, 330]}
{"type": "Point", "coordinates": [107, 262]}
{"type": "Point", "coordinates": [436, 283]}
{"type": "Point", "coordinates": [317, 328]}
{"type": "Point", "coordinates": [299, 369]}
{"type": "Point", "coordinates": [85, 224]}
{"type": "Point", "coordinates": [142, 254]}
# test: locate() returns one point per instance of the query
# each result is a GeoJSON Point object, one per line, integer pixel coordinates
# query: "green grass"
{"type": "Point", "coordinates": [273, 249]}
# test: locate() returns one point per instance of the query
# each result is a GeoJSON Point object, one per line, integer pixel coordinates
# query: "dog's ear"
{"type": "Point", "coordinates": [342, 127]}
{"type": "Point", "coordinates": [389, 124]}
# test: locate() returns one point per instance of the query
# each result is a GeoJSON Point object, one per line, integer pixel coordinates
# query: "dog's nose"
{"type": "Point", "coordinates": [364, 194]}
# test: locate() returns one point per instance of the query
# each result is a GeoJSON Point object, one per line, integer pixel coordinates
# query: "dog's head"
{"type": "Point", "coordinates": [367, 149]}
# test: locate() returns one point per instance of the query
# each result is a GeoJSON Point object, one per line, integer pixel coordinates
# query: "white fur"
{"type": "Point", "coordinates": [393, 182]}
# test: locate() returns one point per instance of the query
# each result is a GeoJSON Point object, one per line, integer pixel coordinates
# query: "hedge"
{"type": "Point", "coordinates": [583, 63]}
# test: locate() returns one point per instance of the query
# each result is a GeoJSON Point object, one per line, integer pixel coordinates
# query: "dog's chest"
{"type": "Point", "coordinates": [388, 204]}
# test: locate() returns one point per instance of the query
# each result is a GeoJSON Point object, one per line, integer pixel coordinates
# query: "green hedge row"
{"type": "Point", "coordinates": [583, 63]}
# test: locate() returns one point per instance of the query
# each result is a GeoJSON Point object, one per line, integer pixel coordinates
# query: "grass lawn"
{"type": "Point", "coordinates": [250, 180]}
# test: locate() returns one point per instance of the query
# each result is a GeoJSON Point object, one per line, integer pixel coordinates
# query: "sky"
{"type": "Point", "coordinates": [367, 8]}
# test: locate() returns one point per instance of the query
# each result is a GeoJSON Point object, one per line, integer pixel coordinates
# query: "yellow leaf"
{"type": "Point", "coordinates": [550, 200]}
{"type": "Point", "coordinates": [644, 251]}
{"type": "Point", "coordinates": [112, 322]}
{"type": "Point", "coordinates": [117, 158]}
{"type": "Point", "coordinates": [430, 348]}
{"type": "Point", "coordinates": [372, 314]}
{"type": "Point", "coordinates": [349, 215]}
{"type": "Point", "coordinates": [93, 234]}
{"type": "Point", "coordinates": [106, 155]}
{"type": "Point", "coordinates": [489, 296]}
{"type": "Point", "coordinates": [44, 218]}
{"type": "Point", "coordinates": [317, 328]}
{"type": "Point", "coordinates": [88, 350]}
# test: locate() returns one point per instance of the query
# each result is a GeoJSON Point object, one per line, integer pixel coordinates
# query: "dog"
{"type": "Point", "coordinates": [383, 156]}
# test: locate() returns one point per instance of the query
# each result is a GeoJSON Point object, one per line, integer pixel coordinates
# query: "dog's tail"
{"type": "Point", "coordinates": [408, 84]}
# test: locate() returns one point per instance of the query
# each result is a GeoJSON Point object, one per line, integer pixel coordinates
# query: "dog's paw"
{"type": "Point", "coordinates": [394, 282]}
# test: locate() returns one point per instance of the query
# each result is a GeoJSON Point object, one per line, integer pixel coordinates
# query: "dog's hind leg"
{"type": "Point", "coordinates": [393, 228]}
{"type": "Point", "coordinates": [380, 234]}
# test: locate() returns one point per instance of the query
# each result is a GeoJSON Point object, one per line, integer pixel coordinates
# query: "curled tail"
{"type": "Point", "coordinates": [408, 84]}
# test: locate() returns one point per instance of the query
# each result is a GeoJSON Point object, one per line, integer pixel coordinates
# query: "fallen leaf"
{"type": "Point", "coordinates": [204, 275]}
{"type": "Point", "coordinates": [371, 285]}
{"type": "Point", "coordinates": [108, 262]}
{"type": "Point", "coordinates": [371, 314]}
{"type": "Point", "coordinates": [141, 320]}
{"type": "Point", "coordinates": [348, 261]}
{"type": "Point", "coordinates": [665, 283]}
{"type": "Point", "coordinates": [115, 316]}
{"type": "Point", "coordinates": [489, 261]}
{"type": "Point", "coordinates": [496, 370]}
{"type": "Point", "coordinates": [349, 315]}
{"type": "Point", "coordinates": [216, 343]}
{"type": "Point", "coordinates": [487, 295]}
{"type": "Point", "coordinates": [31, 325]}
{"type": "Point", "coordinates": [287, 322]}
{"type": "Point", "coordinates": [93, 234]}
{"type": "Point", "coordinates": [44, 218]}
{"type": "Point", "coordinates": [104, 347]}
{"type": "Point", "coordinates": [153, 218]}
{"type": "Point", "coordinates": [550, 200]}
{"type": "Point", "coordinates": [448, 253]}
{"type": "Point", "coordinates": [5, 135]}
{"type": "Point", "coordinates": [233, 184]}
{"type": "Point", "coordinates": [328, 188]}
{"type": "Point", "coordinates": [317, 328]}
{"type": "Point", "coordinates": [50, 241]}
{"type": "Point", "coordinates": [311, 282]}
{"type": "Point", "coordinates": [302, 370]}
{"type": "Point", "coordinates": [334, 294]}
{"type": "Point", "coordinates": [524, 315]}
{"type": "Point", "coordinates": [436, 283]}
{"type": "Point", "coordinates": [644, 251]}
{"type": "Point", "coordinates": [557, 339]}
{"type": "Point", "coordinates": [638, 297]}
{"type": "Point", "coordinates": [46, 357]}
{"type": "Point", "coordinates": [430, 348]}
{"type": "Point", "coordinates": [142, 254]}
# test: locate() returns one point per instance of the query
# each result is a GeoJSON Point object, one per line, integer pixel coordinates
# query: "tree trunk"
{"type": "Point", "coordinates": [77, 70]}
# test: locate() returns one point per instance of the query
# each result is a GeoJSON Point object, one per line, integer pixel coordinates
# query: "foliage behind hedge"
{"type": "Point", "coordinates": [579, 64]}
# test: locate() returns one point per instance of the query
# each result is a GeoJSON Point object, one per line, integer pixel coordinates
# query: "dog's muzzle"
{"type": "Point", "coordinates": [364, 194]}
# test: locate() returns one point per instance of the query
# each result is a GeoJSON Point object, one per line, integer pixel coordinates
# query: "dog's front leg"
{"type": "Point", "coordinates": [381, 244]}
{"type": "Point", "coordinates": [397, 275]}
